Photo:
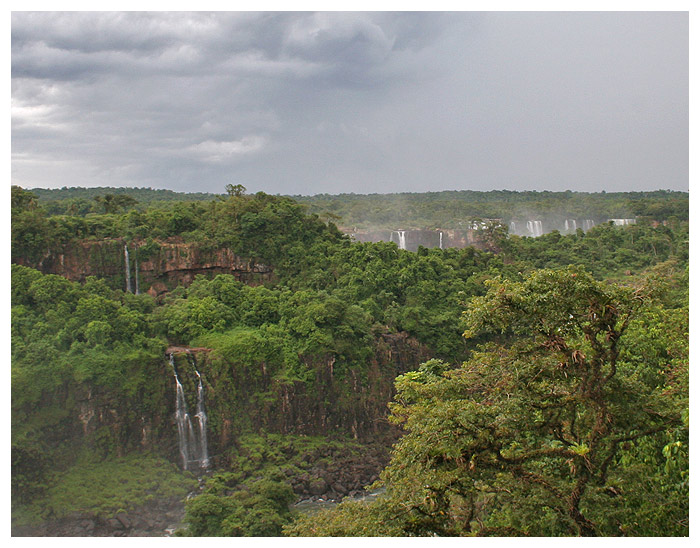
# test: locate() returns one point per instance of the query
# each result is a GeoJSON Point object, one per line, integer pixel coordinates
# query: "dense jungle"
{"type": "Point", "coordinates": [443, 364]}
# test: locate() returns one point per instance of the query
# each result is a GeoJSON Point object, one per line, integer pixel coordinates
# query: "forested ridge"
{"type": "Point", "coordinates": [540, 388]}
{"type": "Point", "coordinates": [421, 210]}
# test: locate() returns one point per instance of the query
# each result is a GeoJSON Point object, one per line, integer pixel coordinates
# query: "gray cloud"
{"type": "Point", "coordinates": [351, 102]}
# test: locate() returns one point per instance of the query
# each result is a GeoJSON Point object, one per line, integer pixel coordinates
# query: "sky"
{"type": "Point", "coordinates": [364, 102]}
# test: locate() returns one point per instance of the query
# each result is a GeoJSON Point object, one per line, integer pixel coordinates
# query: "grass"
{"type": "Point", "coordinates": [105, 487]}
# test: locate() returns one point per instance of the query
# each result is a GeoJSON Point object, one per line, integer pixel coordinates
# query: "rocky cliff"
{"type": "Point", "coordinates": [353, 402]}
{"type": "Point", "coordinates": [152, 266]}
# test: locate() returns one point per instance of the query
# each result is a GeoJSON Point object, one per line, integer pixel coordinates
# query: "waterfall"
{"type": "Point", "coordinates": [184, 425]}
{"type": "Point", "coordinates": [201, 417]}
{"type": "Point", "coordinates": [136, 269]}
{"type": "Point", "coordinates": [402, 239]}
{"type": "Point", "coordinates": [128, 270]}
{"type": "Point", "coordinates": [192, 443]}
{"type": "Point", "coordinates": [441, 240]}
{"type": "Point", "coordinates": [588, 224]}
{"type": "Point", "coordinates": [513, 227]}
{"type": "Point", "coordinates": [534, 228]}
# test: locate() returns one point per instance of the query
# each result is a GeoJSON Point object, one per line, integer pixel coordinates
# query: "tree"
{"type": "Point", "coordinates": [235, 190]}
{"type": "Point", "coordinates": [22, 199]}
{"type": "Point", "coordinates": [113, 203]}
{"type": "Point", "coordinates": [524, 437]}
{"type": "Point", "coordinates": [257, 508]}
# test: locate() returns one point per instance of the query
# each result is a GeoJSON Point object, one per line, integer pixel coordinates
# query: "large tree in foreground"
{"type": "Point", "coordinates": [531, 435]}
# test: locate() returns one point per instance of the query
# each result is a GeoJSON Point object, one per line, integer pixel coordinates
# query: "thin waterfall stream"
{"type": "Point", "coordinates": [126, 267]}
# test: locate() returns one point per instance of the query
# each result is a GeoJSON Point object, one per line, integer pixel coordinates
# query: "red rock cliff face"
{"type": "Point", "coordinates": [180, 263]}
{"type": "Point", "coordinates": [154, 267]}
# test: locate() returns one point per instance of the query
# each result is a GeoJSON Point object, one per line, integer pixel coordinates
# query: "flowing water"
{"type": "Point", "coordinates": [400, 236]}
{"type": "Point", "coordinates": [402, 239]}
{"type": "Point", "coordinates": [534, 228]}
{"type": "Point", "coordinates": [128, 270]}
{"type": "Point", "coordinates": [314, 506]}
{"type": "Point", "coordinates": [192, 440]}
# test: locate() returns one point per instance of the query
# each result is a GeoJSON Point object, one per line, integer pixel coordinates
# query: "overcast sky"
{"type": "Point", "coordinates": [304, 103]}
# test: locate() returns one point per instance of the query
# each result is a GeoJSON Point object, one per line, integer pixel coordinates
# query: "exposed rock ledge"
{"type": "Point", "coordinates": [154, 267]}
{"type": "Point", "coordinates": [185, 349]}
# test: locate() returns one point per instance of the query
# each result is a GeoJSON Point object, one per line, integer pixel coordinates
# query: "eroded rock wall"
{"type": "Point", "coordinates": [349, 401]}
{"type": "Point", "coordinates": [156, 266]}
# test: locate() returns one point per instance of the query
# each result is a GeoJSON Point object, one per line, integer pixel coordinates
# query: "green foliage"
{"type": "Point", "coordinates": [30, 470]}
{"type": "Point", "coordinates": [66, 335]}
{"type": "Point", "coordinates": [252, 498]}
{"type": "Point", "coordinates": [104, 487]}
{"type": "Point", "coordinates": [567, 420]}
{"type": "Point", "coordinates": [259, 508]}
{"type": "Point", "coordinates": [449, 209]}
{"type": "Point", "coordinates": [235, 190]}
{"type": "Point", "coordinates": [605, 250]}
{"type": "Point", "coordinates": [548, 431]}
{"type": "Point", "coordinates": [112, 203]}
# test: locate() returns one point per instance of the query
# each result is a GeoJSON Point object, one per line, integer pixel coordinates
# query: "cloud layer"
{"type": "Point", "coordinates": [305, 103]}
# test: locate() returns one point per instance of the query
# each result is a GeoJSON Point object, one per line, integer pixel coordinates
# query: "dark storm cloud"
{"type": "Point", "coordinates": [354, 102]}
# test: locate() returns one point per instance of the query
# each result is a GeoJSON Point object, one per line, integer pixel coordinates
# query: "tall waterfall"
{"type": "Point", "coordinates": [192, 442]}
{"type": "Point", "coordinates": [201, 417]}
{"type": "Point", "coordinates": [570, 224]}
{"type": "Point", "coordinates": [534, 228]}
{"type": "Point", "coordinates": [126, 266]}
{"type": "Point", "coordinates": [588, 224]}
{"type": "Point", "coordinates": [400, 236]}
{"type": "Point", "coordinates": [402, 239]}
{"type": "Point", "coordinates": [441, 240]}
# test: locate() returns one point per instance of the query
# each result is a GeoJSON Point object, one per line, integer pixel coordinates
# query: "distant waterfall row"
{"type": "Point", "coordinates": [536, 228]}
{"type": "Point", "coordinates": [192, 438]}
{"type": "Point", "coordinates": [476, 232]}
{"type": "Point", "coordinates": [127, 268]}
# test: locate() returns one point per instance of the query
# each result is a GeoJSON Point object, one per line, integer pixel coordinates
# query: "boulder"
{"type": "Point", "coordinates": [339, 488]}
{"type": "Point", "coordinates": [123, 519]}
{"type": "Point", "coordinates": [318, 486]}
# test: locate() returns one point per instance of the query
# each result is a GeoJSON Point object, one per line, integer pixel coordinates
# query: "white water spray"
{"type": "Point", "coordinates": [192, 442]}
{"type": "Point", "coordinates": [534, 228]}
{"type": "Point", "coordinates": [402, 239]}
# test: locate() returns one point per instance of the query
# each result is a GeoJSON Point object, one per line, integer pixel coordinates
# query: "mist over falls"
{"type": "Point", "coordinates": [475, 233]}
